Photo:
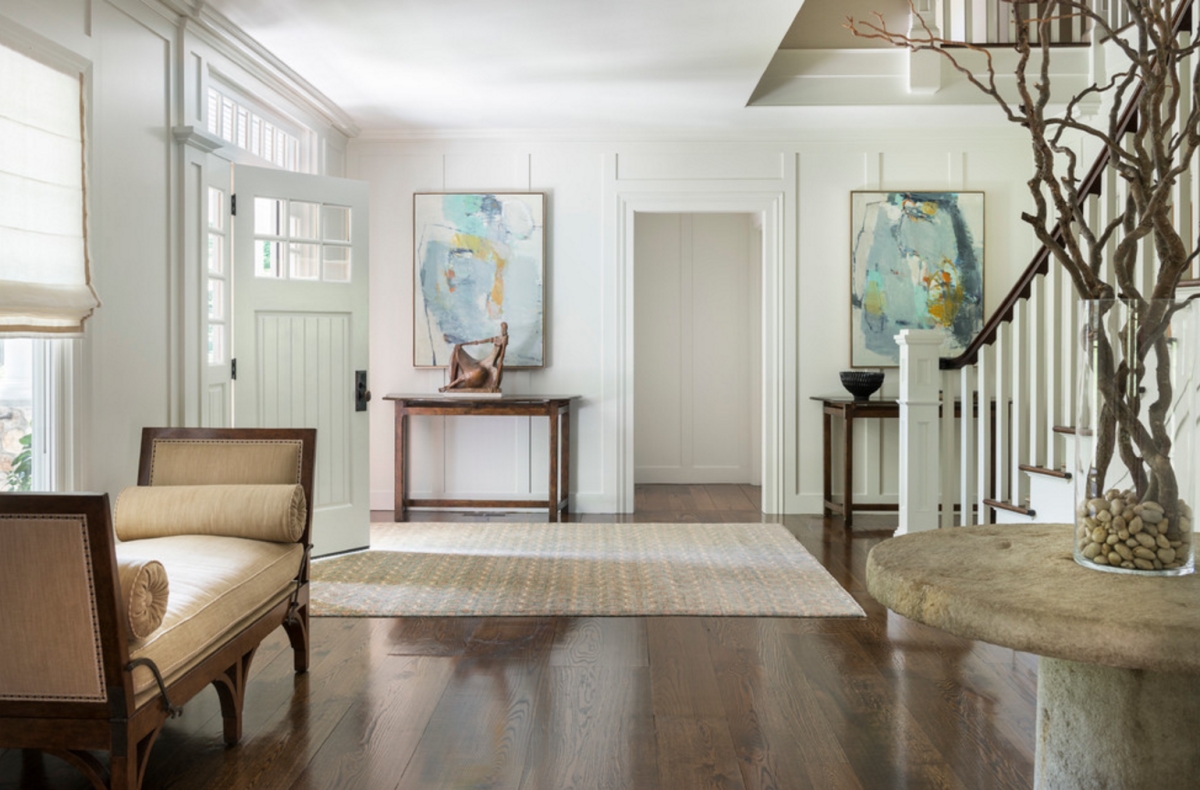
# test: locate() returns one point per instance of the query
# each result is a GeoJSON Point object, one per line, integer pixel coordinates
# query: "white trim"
{"type": "Point", "coordinates": [243, 50]}
{"type": "Point", "coordinates": [711, 198]}
{"type": "Point", "coordinates": [200, 139]}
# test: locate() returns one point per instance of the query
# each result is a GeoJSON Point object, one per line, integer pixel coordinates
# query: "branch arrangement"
{"type": "Point", "coordinates": [1136, 253]}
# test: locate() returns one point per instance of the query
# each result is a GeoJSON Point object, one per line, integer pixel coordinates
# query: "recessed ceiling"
{"type": "Point", "coordinates": [821, 23]}
{"type": "Point", "coordinates": [526, 64]}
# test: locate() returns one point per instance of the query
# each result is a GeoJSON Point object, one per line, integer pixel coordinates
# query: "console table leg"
{"type": "Point", "coordinates": [828, 490]}
{"type": "Point", "coordinates": [566, 460]}
{"type": "Point", "coordinates": [847, 469]}
{"type": "Point", "coordinates": [401, 462]}
{"type": "Point", "coordinates": [553, 492]}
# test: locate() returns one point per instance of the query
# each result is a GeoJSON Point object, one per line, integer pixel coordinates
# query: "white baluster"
{"type": "Point", "coordinates": [986, 372]}
{"type": "Point", "coordinates": [948, 453]}
{"type": "Point", "coordinates": [967, 453]}
{"type": "Point", "coordinates": [1054, 361]}
{"type": "Point", "coordinates": [1021, 396]}
{"type": "Point", "coordinates": [1038, 390]}
{"type": "Point", "coordinates": [1000, 452]}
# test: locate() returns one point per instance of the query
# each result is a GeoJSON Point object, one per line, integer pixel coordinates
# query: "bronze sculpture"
{"type": "Point", "coordinates": [468, 374]}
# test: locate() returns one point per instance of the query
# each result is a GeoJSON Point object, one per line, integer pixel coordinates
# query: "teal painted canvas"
{"type": "Point", "coordinates": [916, 263]}
{"type": "Point", "coordinates": [478, 261]}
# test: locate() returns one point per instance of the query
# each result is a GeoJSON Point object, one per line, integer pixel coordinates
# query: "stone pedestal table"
{"type": "Point", "coordinates": [1118, 702]}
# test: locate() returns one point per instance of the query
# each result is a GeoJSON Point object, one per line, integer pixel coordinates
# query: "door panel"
{"type": "Point", "coordinates": [215, 405]}
{"type": "Point", "coordinates": [300, 331]}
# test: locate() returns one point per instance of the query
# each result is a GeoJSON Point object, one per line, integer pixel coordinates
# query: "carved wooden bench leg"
{"type": "Point", "coordinates": [296, 625]}
{"type": "Point", "coordinates": [127, 770]}
{"type": "Point", "coordinates": [91, 768]}
{"type": "Point", "coordinates": [231, 689]}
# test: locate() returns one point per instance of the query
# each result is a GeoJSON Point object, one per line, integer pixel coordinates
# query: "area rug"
{"type": "Point", "coordinates": [507, 569]}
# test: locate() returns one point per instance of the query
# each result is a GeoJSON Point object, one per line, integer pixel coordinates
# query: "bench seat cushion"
{"type": "Point", "coordinates": [219, 585]}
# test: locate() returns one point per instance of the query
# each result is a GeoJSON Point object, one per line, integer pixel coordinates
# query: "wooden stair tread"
{"type": "Point", "coordinates": [1041, 470]}
{"type": "Point", "coordinates": [1010, 507]}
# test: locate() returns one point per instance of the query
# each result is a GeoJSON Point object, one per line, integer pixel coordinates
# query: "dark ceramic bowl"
{"type": "Point", "coordinates": [862, 383]}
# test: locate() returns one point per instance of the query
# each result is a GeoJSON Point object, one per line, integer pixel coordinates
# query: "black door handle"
{"type": "Point", "coordinates": [361, 394]}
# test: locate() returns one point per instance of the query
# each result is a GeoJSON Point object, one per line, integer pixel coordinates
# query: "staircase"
{"type": "Point", "coordinates": [1014, 460]}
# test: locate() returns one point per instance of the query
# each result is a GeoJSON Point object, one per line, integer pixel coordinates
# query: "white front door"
{"type": "Point", "coordinates": [300, 331]}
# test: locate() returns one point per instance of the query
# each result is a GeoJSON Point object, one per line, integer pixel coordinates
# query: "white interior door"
{"type": "Point", "coordinates": [300, 331]}
{"type": "Point", "coordinates": [698, 323]}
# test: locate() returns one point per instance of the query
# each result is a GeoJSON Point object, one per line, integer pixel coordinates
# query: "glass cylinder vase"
{"type": "Point", "coordinates": [1136, 449]}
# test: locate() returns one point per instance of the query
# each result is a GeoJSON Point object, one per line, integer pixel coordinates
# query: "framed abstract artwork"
{"type": "Point", "coordinates": [478, 261]}
{"type": "Point", "coordinates": [916, 262]}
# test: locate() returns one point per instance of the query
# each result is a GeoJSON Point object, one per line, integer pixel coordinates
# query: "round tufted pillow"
{"type": "Point", "coordinates": [143, 594]}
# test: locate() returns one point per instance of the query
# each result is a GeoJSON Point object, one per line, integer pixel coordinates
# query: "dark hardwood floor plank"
{"type": "Point", "coordinates": [731, 497]}
{"type": "Point", "coordinates": [595, 728]}
{"type": "Point", "coordinates": [700, 498]}
{"type": "Point", "coordinates": [480, 731]}
{"type": "Point", "coordinates": [430, 636]}
{"type": "Point", "coordinates": [696, 753]}
{"type": "Point", "coordinates": [885, 743]}
{"type": "Point", "coordinates": [779, 734]}
{"type": "Point", "coordinates": [526, 639]}
{"type": "Point", "coordinates": [372, 744]}
{"type": "Point", "coordinates": [600, 641]}
{"type": "Point", "coordinates": [684, 684]}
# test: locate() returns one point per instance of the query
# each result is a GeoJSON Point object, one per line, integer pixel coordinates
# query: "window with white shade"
{"type": "Point", "coordinates": [45, 285]}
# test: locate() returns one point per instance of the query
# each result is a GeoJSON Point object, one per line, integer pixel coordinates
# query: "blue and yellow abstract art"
{"type": "Point", "coordinates": [917, 263]}
{"type": "Point", "coordinates": [478, 261]}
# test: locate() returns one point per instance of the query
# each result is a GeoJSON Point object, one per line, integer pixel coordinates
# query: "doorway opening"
{"type": "Point", "coordinates": [698, 332]}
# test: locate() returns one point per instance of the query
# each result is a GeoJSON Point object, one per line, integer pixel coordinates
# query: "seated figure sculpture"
{"type": "Point", "coordinates": [468, 374]}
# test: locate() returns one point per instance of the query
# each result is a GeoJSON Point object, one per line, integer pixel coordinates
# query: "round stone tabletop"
{"type": "Point", "coordinates": [1018, 586]}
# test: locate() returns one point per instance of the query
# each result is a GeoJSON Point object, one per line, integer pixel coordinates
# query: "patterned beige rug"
{"type": "Point", "coordinates": [498, 569]}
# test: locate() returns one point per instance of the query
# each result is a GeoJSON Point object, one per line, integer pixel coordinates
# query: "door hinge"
{"type": "Point", "coordinates": [233, 204]}
{"type": "Point", "coordinates": [233, 368]}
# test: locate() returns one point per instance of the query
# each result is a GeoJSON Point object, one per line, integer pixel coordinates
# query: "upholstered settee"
{"type": "Point", "coordinates": [94, 659]}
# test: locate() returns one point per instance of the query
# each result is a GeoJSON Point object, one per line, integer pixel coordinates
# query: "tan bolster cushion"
{"type": "Point", "coordinates": [143, 594]}
{"type": "Point", "coordinates": [258, 512]}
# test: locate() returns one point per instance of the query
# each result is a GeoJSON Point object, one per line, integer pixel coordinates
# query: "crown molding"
{"type": "Point", "coordinates": [244, 50]}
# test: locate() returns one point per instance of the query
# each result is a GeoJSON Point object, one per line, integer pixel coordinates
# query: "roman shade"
{"type": "Point", "coordinates": [45, 285]}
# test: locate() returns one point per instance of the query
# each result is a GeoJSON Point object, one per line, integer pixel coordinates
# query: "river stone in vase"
{"type": "Point", "coordinates": [1136, 436]}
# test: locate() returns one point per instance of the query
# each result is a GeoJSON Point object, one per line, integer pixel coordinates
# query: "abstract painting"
{"type": "Point", "coordinates": [478, 261]}
{"type": "Point", "coordinates": [916, 263]}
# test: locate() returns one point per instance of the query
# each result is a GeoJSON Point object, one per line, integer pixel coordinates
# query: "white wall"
{"type": "Point", "coordinates": [145, 69]}
{"type": "Point", "coordinates": [697, 331]}
{"type": "Point", "coordinates": [588, 182]}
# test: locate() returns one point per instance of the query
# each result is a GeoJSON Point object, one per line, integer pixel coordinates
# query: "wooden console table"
{"type": "Point", "coordinates": [556, 408]}
{"type": "Point", "coordinates": [849, 410]}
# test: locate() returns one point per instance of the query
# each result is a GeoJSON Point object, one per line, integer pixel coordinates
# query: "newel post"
{"type": "Point", "coordinates": [920, 401]}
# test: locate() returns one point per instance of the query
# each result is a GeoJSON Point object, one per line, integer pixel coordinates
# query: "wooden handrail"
{"type": "Point", "coordinates": [1090, 185]}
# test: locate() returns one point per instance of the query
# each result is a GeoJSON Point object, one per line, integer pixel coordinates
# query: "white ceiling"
{"type": "Point", "coordinates": [413, 65]}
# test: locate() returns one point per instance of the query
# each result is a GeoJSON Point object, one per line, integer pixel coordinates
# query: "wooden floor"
{"type": "Point", "coordinates": [673, 702]}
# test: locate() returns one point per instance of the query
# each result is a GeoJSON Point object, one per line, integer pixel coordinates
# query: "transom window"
{"type": "Point", "coordinates": [251, 132]}
{"type": "Point", "coordinates": [298, 240]}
